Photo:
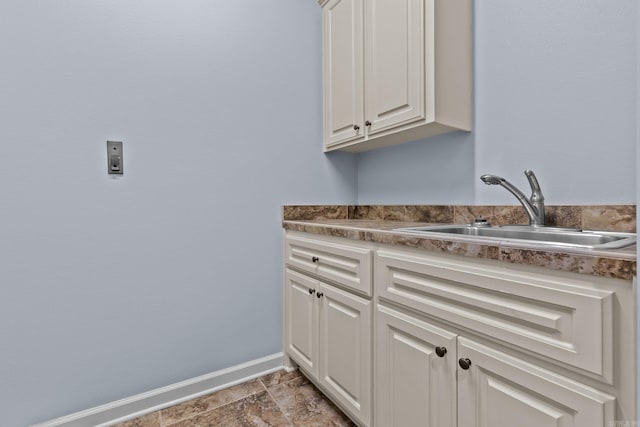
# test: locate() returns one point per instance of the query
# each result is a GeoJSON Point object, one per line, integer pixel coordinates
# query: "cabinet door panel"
{"type": "Point", "coordinates": [345, 343]}
{"type": "Point", "coordinates": [502, 391]}
{"type": "Point", "coordinates": [343, 70]}
{"type": "Point", "coordinates": [300, 320]}
{"type": "Point", "coordinates": [395, 52]}
{"type": "Point", "coordinates": [414, 387]}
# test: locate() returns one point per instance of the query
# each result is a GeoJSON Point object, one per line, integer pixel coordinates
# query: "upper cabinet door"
{"type": "Point", "coordinates": [395, 62]}
{"type": "Point", "coordinates": [343, 50]}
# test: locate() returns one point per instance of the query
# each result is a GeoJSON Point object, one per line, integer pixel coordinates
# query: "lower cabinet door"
{"type": "Point", "coordinates": [415, 371]}
{"type": "Point", "coordinates": [345, 350]}
{"type": "Point", "coordinates": [301, 327]}
{"type": "Point", "coordinates": [499, 390]}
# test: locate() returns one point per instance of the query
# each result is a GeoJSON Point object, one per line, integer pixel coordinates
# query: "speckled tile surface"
{"type": "Point", "coordinates": [564, 216]}
{"type": "Point", "coordinates": [211, 401]}
{"type": "Point", "coordinates": [280, 399]}
{"type": "Point", "coordinates": [149, 420]}
{"type": "Point", "coordinates": [258, 410]}
{"type": "Point", "coordinates": [305, 406]}
{"type": "Point", "coordinates": [614, 218]}
{"type": "Point", "coordinates": [422, 213]}
{"type": "Point", "coordinates": [592, 217]}
{"type": "Point", "coordinates": [316, 212]}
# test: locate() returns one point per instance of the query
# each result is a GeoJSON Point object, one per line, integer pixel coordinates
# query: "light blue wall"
{"type": "Point", "coordinates": [554, 92]}
{"type": "Point", "coordinates": [436, 171]}
{"type": "Point", "coordinates": [113, 287]}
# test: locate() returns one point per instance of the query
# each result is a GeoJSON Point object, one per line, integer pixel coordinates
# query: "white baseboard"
{"type": "Point", "coordinates": [141, 404]}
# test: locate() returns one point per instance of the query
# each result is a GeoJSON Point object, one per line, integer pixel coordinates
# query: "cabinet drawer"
{"type": "Point", "coordinates": [560, 318]}
{"type": "Point", "coordinates": [347, 265]}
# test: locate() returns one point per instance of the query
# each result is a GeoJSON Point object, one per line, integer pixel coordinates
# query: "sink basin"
{"type": "Point", "coordinates": [567, 237]}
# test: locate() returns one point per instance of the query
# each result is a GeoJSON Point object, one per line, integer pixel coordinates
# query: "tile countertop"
{"type": "Point", "coordinates": [613, 263]}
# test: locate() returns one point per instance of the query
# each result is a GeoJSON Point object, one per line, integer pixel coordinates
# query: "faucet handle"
{"type": "Point", "coordinates": [536, 195]}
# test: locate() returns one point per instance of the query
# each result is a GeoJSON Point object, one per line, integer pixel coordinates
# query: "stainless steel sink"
{"type": "Point", "coordinates": [567, 237]}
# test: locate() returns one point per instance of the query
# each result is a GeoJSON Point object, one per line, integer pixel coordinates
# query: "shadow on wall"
{"type": "Point", "coordinates": [344, 166]}
{"type": "Point", "coordinates": [438, 170]}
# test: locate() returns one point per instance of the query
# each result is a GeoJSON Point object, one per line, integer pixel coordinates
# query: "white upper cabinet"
{"type": "Point", "coordinates": [395, 71]}
{"type": "Point", "coordinates": [343, 63]}
{"type": "Point", "coordinates": [395, 63]}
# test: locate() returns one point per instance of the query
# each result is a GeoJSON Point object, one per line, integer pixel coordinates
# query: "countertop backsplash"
{"type": "Point", "coordinates": [620, 218]}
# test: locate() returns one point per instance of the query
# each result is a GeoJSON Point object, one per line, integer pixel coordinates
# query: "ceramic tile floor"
{"type": "Point", "coordinates": [278, 399]}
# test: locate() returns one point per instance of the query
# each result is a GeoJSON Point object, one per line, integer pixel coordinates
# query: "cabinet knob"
{"type": "Point", "coordinates": [367, 123]}
{"type": "Point", "coordinates": [464, 363]}
{"type": "Point", "coordinates": [356, 128]}
{"type": "Point", "coordinates": [441, 351]}
{"type": "Point", "coordinates": [319, 294]}
{"type": "Point", "coordinates": [312, 291]}
{"type": "Point", "coordinates": [314, 259]}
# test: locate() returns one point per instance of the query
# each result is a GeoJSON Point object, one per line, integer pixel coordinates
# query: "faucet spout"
{"type": "Point", "coordinates": [534, 206]}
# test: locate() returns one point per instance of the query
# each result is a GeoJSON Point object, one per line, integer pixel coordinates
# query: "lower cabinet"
{"type": "Point", "coordinates": [415, 372]}
{"type": "Point", "coordinates": [499, 390]}
{"type": "Point", "coordinates": [430, 377]}
{"type": "Point", "coordinates": [301, 320]}
{"type": "Point", "coordinates": [456, 341]}
{"type": "Point", "coordinates": [328, 333]}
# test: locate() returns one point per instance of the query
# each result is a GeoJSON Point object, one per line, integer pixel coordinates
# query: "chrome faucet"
{"type": "Point", "coordinates": [534, 206]}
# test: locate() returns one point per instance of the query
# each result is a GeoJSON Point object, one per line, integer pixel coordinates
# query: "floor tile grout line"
{"type": "Point", "coordinates": [278, 403]}
{"type": "Point", "coordinates": [217, 407]}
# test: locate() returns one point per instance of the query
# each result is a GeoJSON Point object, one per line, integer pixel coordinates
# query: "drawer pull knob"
{"type": "Point", "coordinates": [312, 291]}
{"type": "Point", "coordinates": [367, 123]}
{"type": "Point", "coordinates": [441, 351]}
{"type": "Point", "coordinates": [356, 128]}
{"type": "Point", "coordinates": [319, 294]}
{"type": "Point", "coordinates": [315, 259]}
{"type": "Point", "coordinates": [464, 363]}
